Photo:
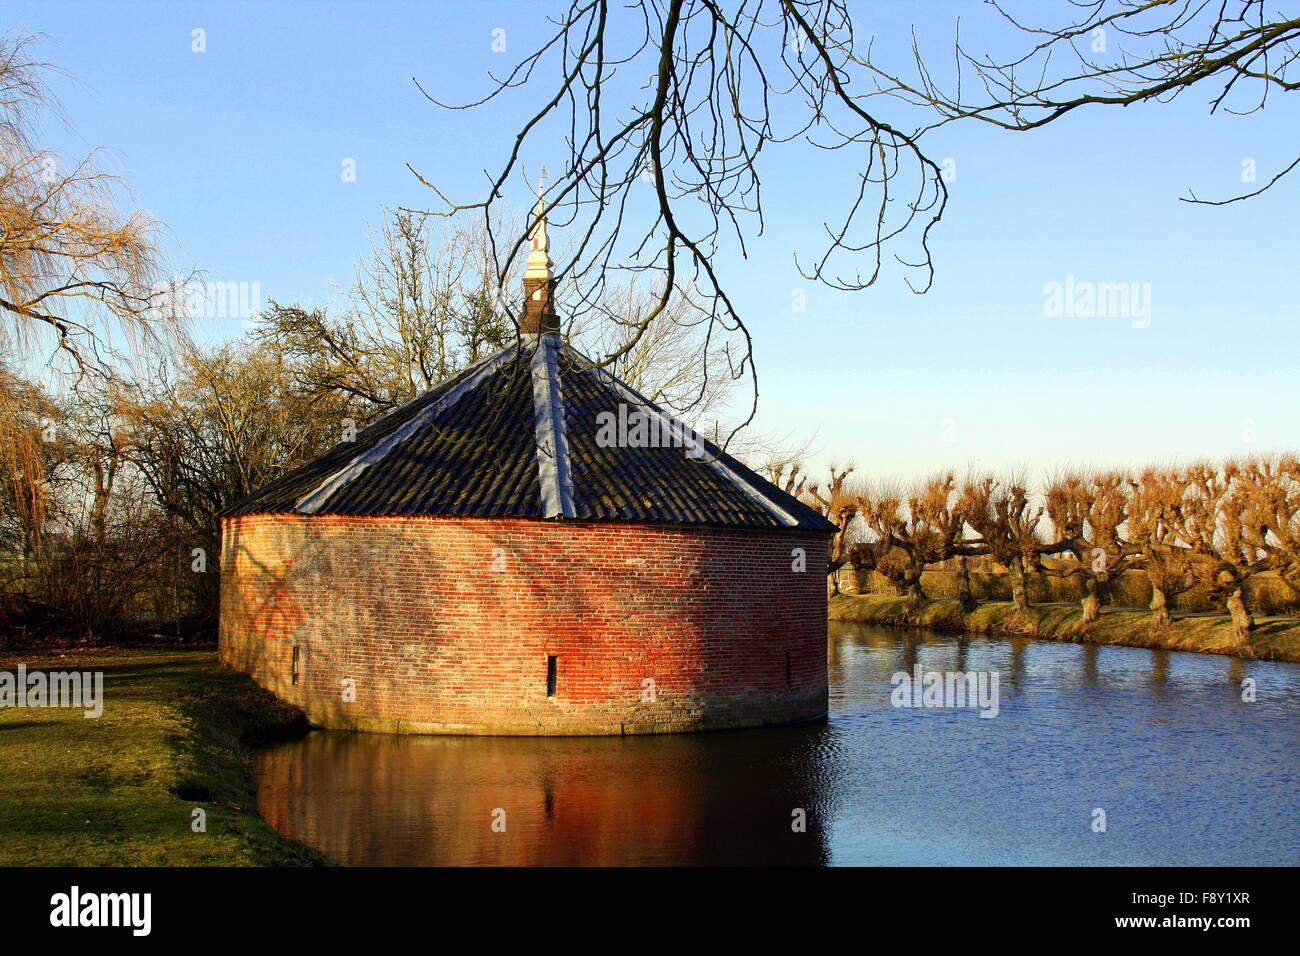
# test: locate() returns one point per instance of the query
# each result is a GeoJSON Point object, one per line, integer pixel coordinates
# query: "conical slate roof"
{"type": "Point", "coordinates": [535, 431]}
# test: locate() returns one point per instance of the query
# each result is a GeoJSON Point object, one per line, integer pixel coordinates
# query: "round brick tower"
{"type": "Point", "coordinates": [531, 547]}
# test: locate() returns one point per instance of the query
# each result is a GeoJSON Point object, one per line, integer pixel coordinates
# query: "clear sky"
{"type": "Point", "coordinates": [239, 151]}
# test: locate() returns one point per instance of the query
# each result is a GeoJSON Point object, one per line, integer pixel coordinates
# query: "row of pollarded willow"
{"type": "Point", "coordinates": [1208, 525]}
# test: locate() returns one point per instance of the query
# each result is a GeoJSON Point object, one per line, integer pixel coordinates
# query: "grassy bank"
{"type": "Point", "coordinates": [1274, 639]}
{"type": "Point", "coordinates": [120, 789]}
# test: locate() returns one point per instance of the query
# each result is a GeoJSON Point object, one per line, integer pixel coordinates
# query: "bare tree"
{"type": "Point", "coordinates": [781, 460]}
{"type": "Point", "coordinates": [1112, 53]}
{"type": "Point", "coordinates": [81, 533]}
{"type": "Point", "coordinates": [217, 427]}
{"type": "Point", "coordinates": [1170, 565]}
{"type": "Point", "coordinates": [674, 363]}
{"type": "Point", "coordinates": [681, 153]}
{"type": "Point", "coordinates": [1207, 513]}
{"type": "Point", "coordinates": [925, 523]}
{"type": "Point", "coordinates": [838, 503]}
{"type": "Point", "coordinates": [1007, 526]}
{"type": "Point", "coordinates": [1088, 511]}
{"type": "Point", "coordinates": [1269, 489]}
{"type": "Point", "coordinates": [423, 305]}
{"type": "Point", "coordinates": [105, 537]}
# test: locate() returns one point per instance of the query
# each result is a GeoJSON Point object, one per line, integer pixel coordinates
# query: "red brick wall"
{"type": "Point", "coordinates": [445, 624]}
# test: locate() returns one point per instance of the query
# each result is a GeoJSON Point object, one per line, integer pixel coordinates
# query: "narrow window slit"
{"type": "Point", "coordinates": [788, 682]}
{"type": "Point", "coordinates": [550, 675]}
{"type": "Point", "coordinates": [296, 657]}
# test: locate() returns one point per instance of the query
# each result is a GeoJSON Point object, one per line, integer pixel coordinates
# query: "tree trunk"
{"type": "Point", "coordinates": [99, 506]}
{"type": "Point", "coordinates": [964, 596]}
{"type": "Point", "coordinates": [1019, 592]}
{"type": "Point", "coordinates": [915, 595]}
{"type": "Point", "coordinates": [1160, 607]}
{"type": "Point", "coordinates": [1242, 622]}
{"type": "Point", "coordinates": [1090, 604]}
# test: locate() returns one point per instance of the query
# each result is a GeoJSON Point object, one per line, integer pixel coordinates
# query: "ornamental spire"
{"type": "Point", "coordinates": [539, 253]}
{"type": "Point", "coordinates": [539, 285]}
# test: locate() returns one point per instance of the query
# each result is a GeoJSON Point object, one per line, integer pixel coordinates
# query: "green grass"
{"type": "Point", "coordinates": [119, 790]}
{"type": "Point", "coordinates": [1273, 639]}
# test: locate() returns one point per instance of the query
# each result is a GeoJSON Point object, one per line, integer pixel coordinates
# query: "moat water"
{"type": "Point", "coordinates": [1185, 771]}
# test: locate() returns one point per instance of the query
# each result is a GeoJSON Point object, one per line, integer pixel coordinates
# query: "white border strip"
{"type": "Point", "coordinates": [314, 500]}
{"type": "Point", "coordinates": [631, 395]}
{"type": "Point", "coordinates": [551, 431]}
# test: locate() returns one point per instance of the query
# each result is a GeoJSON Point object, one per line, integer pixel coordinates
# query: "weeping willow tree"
{"type": "Point", "coordinates": [79, 270]}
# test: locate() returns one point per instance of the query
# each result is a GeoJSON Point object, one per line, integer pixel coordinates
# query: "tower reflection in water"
{"type": "Point", "coordinates": [726, 798]}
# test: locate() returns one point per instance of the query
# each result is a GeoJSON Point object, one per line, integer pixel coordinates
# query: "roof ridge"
{"type": "Point", "coordinates": [554, 470]}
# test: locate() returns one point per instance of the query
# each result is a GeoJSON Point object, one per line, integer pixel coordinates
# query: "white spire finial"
{"type": "Point", "coordinates": [539, 254]}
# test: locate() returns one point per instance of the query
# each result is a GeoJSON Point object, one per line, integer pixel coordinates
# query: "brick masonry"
{"type": "Point", "coordinates": [445, 624]}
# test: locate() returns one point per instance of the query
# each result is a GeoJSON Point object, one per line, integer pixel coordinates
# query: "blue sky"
{"type": "Point", "coordinates": [238, 151]}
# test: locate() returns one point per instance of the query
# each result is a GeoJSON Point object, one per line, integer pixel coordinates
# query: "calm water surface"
{"type": "Point", "coordinates": [1186, 772]}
